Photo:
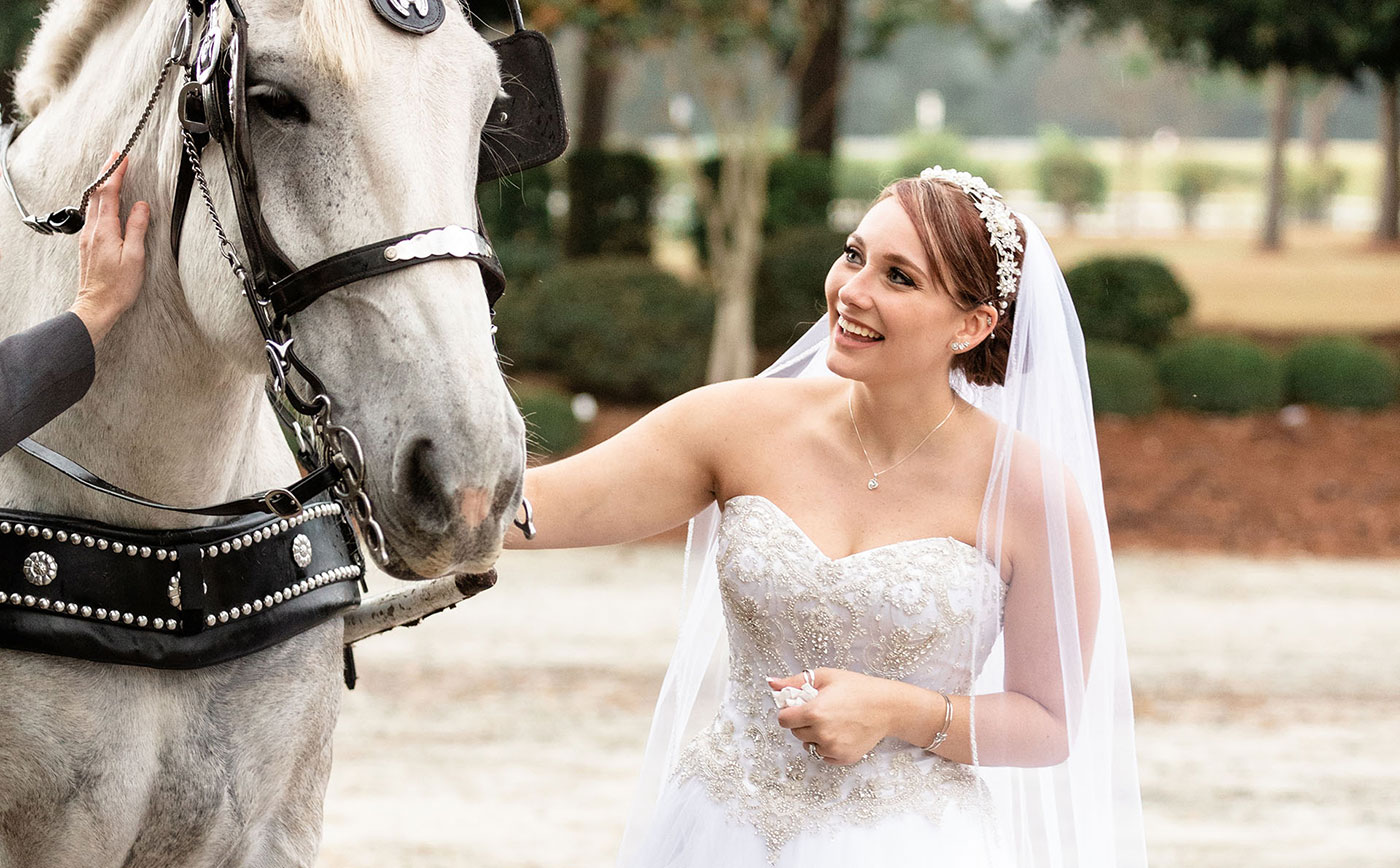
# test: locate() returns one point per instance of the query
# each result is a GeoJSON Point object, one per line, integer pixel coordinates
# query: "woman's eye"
{"type": "Point", "coordinates": [900, 277]}
{"type": "Point", "coordinates": [278, 104]}
{"type": "Point", "coordinates": [852, 255]}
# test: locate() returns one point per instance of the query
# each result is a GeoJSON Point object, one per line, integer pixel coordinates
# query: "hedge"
{"type": "Point", "coordinates": [790, 294]}
{"type": "Point", "coordinates": [549, 419]}
{"type": "Point", "coordinates": [1127, 299]}
{"type": "Point", "coordinates": [1122, 378]}
{"type": "Point", "coordinates": [517, 207]}
{"type": "Point", "coordinates": [1341, 372]}
{"type": "Point", "coordinates": [1222, 374]}
{"type": "Point", "coordinates": [610, 203]}
{"type": "Point", "coordinates": [618, 327]}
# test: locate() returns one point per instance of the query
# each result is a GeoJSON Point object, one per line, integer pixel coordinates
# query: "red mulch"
{"type": "Point", "coordinates": [1183, 481]}
{"type": "Point", "coordinates": [1251, 484]}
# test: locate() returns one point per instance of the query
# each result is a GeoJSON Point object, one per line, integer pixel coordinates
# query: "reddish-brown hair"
{"type": "Point", "coordinates": [958, 246]}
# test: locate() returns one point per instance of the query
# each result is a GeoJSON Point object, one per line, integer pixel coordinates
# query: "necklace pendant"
{"type": "Point", "coordinates": [873, 484]}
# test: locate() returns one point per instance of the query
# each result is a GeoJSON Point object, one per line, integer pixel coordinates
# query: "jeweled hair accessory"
{"type": "Point", "coordinates": [1006, 238]}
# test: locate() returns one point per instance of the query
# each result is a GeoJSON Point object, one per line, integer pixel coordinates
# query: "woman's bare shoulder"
{"type": "Point", "coordinates": [758, 400]}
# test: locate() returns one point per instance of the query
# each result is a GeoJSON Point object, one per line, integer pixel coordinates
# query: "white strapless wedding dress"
{"type": "Point", "coordinates": [746, 792]}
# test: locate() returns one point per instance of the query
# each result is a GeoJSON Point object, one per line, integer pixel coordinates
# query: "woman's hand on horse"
{"type": "Point", "coordinates": [846, 720]}
{"type": "Point", "coordinates": [111, 263]}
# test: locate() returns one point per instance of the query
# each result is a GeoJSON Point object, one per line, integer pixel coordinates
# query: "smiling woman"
{"type": "Point", "coordinates": [924, 665]}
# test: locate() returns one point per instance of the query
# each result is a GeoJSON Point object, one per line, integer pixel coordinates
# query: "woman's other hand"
{"type": "Point", "coordinates": [111, 263]}
{"type": "Point", "coordinates": [846, 719]}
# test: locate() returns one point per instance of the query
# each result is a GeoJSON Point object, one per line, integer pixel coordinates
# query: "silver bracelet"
{"type": "Point", "coordinates": [942, 735]}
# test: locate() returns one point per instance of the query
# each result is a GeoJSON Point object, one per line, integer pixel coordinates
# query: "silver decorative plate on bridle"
{"type": "Point", "coordinates": [40, 568]}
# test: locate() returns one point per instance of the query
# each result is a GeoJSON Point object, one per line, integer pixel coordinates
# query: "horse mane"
{"type": "Point", "coordinates": [333, 31]}
{"type": "Point", "coordinates": [336, 36]}
{"type": "Point", "coordinates": [66, 30]}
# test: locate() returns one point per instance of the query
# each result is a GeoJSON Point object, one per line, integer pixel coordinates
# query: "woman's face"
{"type": "Point", "coordinates": [888, 316]}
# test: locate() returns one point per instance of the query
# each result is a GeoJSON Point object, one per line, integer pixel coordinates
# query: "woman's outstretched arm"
{"type": "Point", "coordinates": [648, 478]}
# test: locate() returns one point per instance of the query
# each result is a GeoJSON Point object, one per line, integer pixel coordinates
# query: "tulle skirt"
{"type": "Point", "coordinates": [691, 830]}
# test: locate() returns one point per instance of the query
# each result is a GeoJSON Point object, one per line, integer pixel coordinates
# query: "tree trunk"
{"type": "Point", "coordinates": [1316, 114]}
{"type": "Point", "coordinates": [599, 74]}
{"type": "Point", "coordinates": [734, 230]}
{"type": "Point", "coordinates": [1280, 120]}
{"type": "Point", "coordinates": [819, 76]}
{"type": "Point", "coordinates": [1388, 225]}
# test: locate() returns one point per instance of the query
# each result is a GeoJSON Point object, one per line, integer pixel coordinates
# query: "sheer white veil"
{"type": "Point", "coordinates": [1043, 525]}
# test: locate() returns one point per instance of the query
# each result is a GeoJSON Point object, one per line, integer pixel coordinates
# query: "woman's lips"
{"type": "Point", "coordinates": [853, 333]}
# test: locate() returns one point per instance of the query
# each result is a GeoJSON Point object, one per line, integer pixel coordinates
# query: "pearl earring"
{"type": "Point", "coordinates": [959, 346]}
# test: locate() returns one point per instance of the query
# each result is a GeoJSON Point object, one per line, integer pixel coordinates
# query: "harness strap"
{"type": "Point", "coordinates": [298, 290]}
{"type": "Point", "coordinates": [277, 501]}
{"type": "Point", "coordinates": [184, 186]}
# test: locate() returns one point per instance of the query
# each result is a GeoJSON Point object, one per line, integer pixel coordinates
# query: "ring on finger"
{"type": "Point", "coordinates": [812, 749]}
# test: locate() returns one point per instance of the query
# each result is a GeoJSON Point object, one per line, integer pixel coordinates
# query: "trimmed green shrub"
{"type": "Point", "coordinates": [618, 327]}
{"type": "Point", "coordinates": [1127, 299]}
{"type": "Point", "coordinates": [1341, 372]}
{"type": "Point", "coordinates": [1221, 374]}
{"type": "Point", "coordinates": [1068, 176]}
{"type": "Point", "coordinates": [517, 207]}
{"type": "Point", "coordinates": [610, 203]}
{"type": "Point", "coordinates": [799, 191]}
{"type": "Point", "coordinates": [1191, 181]}
{"type": "Point", "coordinates": [1122, 378]}
{"type": "Point", "coordinates": [549, 419]}
{"type": "Point", "coordinates": [519, 310]}
{"type": "Point", "coordinates": [790, 294]}
{"type": "Point", "coordinates": [1311, 191]}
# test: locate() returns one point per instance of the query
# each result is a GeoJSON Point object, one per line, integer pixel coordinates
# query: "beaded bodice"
{"type": "Point", "coordinates": [925, 611]}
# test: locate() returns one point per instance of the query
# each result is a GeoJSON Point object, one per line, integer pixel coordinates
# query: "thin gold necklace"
{"type": "Point", "coordinates": [874, 482]}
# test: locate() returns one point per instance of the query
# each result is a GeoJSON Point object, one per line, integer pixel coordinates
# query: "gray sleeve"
{"type": "Point", "coordinates": [44, 370]}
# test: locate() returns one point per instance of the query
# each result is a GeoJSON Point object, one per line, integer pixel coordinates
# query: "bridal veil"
{"type": "Point", "coordinates": [1044, 488]}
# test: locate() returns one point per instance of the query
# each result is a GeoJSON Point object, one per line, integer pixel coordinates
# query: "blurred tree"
{"type": "Point", "coordinates": [1191, 181]}
{"type": "Point", "coordinates": [1317, 112]}
{"type": "Point", "coordinates": [818, 80]}
{"type": "Point", "coordinates": [1068, 175]}
{"type": "Point", "coordinates": [608, 27]}
{"type": "Point", "coordinates": [1258, 36]}
{"type": "Point", "coordinates": [1376, 35]}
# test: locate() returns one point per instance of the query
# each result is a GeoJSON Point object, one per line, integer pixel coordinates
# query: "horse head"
{"type": "Point", "coordinates": [359, 132]}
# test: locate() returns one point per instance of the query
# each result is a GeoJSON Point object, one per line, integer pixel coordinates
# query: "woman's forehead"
{"type": "Point", "coordinates": [887, 229]}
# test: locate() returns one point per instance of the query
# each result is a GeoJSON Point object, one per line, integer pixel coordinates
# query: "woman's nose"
{"type": "Point", "coordinates": [855, 291]}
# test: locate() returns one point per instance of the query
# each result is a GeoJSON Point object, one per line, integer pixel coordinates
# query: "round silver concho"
{"type": "Point", "coordinates": [301, 550]}
{"type": "Point", "coordinates": [40, 568]}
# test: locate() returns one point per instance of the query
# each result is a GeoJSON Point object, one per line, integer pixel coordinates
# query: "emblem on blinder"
{"type": "Point", "coordinates": [415, 16]}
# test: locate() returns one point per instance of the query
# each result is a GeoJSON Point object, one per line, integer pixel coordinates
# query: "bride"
{"type": "Point", "coordinates": [899, 536]}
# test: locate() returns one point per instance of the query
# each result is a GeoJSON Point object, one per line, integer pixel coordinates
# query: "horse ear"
{"type": "Point", "coordinates": [66, 31]}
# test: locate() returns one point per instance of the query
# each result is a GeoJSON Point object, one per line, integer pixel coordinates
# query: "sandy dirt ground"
{"type": "Point", "coordinates": [507, 733]}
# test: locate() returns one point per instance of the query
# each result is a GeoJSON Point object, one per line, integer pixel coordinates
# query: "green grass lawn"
{"type": "Point", "coordinates": [1321, 282]}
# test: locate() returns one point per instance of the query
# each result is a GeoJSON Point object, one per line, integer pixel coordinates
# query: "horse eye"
{"type": "Point", "coordinates": [279, 105]}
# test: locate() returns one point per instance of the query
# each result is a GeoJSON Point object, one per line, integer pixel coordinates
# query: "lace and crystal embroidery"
{"type": "Point", "coordinates": [907, 611]}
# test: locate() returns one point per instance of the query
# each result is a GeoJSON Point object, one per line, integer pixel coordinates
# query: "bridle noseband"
{"type": "Point", "coordinates": [212, 108]}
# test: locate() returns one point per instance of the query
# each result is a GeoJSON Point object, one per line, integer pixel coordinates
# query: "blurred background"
{"type": "Point", "coordinates": [1219, 181]}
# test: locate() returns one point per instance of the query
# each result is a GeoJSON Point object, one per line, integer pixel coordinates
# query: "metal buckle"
{"type": "Point", "coordinates": [282, 502]}
{"type": "Point", "coordinates": [527, 527]}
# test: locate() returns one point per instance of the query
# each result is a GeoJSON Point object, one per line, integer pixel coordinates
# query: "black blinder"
{"type": "Point", "coordinates": [526, 127]}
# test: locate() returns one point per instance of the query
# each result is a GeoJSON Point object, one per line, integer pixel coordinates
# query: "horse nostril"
{"type": "Point", "coordinates": [421, 480]}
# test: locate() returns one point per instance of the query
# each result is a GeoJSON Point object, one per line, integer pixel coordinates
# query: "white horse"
{"type": "Point", "coordinates": [360, 132]}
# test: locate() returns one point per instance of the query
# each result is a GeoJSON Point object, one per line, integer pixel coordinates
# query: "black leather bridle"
{"type": "Point", "coordinates": [212, 106]}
